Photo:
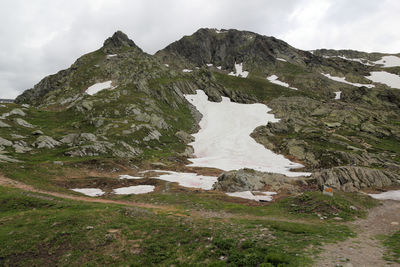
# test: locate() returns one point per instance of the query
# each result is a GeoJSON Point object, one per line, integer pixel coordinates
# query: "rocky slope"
{"type": "Point", "coordinates": [144, 115]}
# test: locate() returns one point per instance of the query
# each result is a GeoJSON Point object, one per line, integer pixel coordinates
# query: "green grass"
{"type": "Point", "coordinates": [38, 229]}
{"type": "Point", "coordinates": [393, 245]}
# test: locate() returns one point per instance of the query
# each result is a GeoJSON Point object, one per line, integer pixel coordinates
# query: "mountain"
{"type": "Point", "coordinates": [222, 141]}
{"type": "Point", "coordinates": [146, 109]}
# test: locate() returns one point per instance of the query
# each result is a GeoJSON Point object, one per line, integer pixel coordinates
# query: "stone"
{"type": "Point", "coordinates": [352, 178]}
{"type": "Point", "coordinates": [44, 141]}
{"type": "Point", "coordinates": [37, 132]}
{"type": "Point", "coordinates": [21, 147]}
{"type": "Point", "coordinates": [4, 125]}
{"type": "Point", "coordinates": [251, 180]}
{"type": "Point", "coordinates": [153, 135]}
{"type": "Point", "coordinates": [18, 112]}
{"type": "Point", "coordinates": [5, 142]}
{"type": "Point", "coordinates": [23, 123]}
{"type": "Point", "coordinates": [184, 137]}
{"type": "Point", "coordinates": [4, 158]}
{"type": "Point", "coordinates": [332, 124]}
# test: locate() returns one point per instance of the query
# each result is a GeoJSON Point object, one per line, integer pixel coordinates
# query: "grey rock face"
{"type": "Point", "coordinates": [46, 142]}
{"type": "Point", "coordinates": [184, 136]}
{"type": "Point", "coordinates": [5, 142]}
{"type": "Point", "coordinates": [21, 146]}
{"type": "Point", "coordinates": [4, 158]}
{"type": "Point", "coordinates": [78, 139]}
{"type": "Point", "coordinates": [4, 125]}
{"type": "Point", "coordinates": [18, 112]}
{"type": "Point", "coordinates": [153, 135]}
{"type": "Point", "coordinates": [351, 178]}
{"type": "Point", "coordinates": [251, 180]}
{"type": "Point", "coordinates": [37, 132]}
{"type": "Point", "coordinates": [23, 123]}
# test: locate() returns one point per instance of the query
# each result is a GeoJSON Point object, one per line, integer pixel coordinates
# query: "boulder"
{"type": "Point", "coordinates": [184, 137]}
{"type": "Point", "coordinates": [251, 180]}
{"type": "Point", "coordinates": [44, 141]}
{"type": "Point", "coordinates": [21, 146]}
{"type": "Point", "coordinates": [23, 123]}
{"type": "Point", "coordinates": [17, 111]}
{"type": "Point", "coordinates": [37, 132]}
{"type": "Point", "coordinates": [78, 139]}
{"type": "Point", "coordinates": [352, 178]}
{"type": "Point", "coordinates": [5, 142]}
{"type": "Point", "coordinates": [4, 125]}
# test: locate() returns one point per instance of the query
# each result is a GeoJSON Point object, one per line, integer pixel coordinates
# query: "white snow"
{"type": "Point", "coordinates": [239, 71]}
{"type": "Point", "coordinates": [260, 196]}
{"type": "Point", "coordinates": [125, 176]}
{"type": "Point", "coordinates": [95, 88]}
{"type": "Point", "coordinates": [209, 65]}
{"type": "Point", "coordinates": [338, 94]}
{"type": "Point", "coordinates": [186, 179]}
{"type": "Point", "coordinates": [389, 61]}
{"type": "Point", "coordinates": [166, 65]}
{"type": "Point", "coordinates": [343, 80]}
{"type": "Point", "coordinates": [274, 79]}
{"type": "Point", "coordinates": [393, 195]}
{"type": "Point", "coordinates": [360, 60]}
{"type": "Point", "coordinates": [281, 59]}
{"type": "Point", "coordinates": [219, 67]}
{"type": "Point", "coordinates": [135, 189]}
{"type": "Point", "coordinates": [384, 77]}
{"type": "Point", "coordinates": [224, 140]}
{"type": "Point", "coordinates": [113, 55]}
{"type": "Point", "coordinates": [186, 70]}
{"type": "Point", "coordinates": [92, 192]}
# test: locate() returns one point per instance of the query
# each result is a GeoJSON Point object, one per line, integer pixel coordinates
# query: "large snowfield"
{"type": "Point", "coordinates": [224, 140]}
{"type": "Point", "coordinates": [391, 80]}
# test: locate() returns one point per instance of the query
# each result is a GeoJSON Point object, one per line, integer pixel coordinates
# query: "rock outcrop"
{"type": "Point", "coordinates": [251, 180]}
{"type": "Point", "coordinates": [351, 178]}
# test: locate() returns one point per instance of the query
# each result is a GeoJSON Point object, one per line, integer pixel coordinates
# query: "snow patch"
{"type": "Point", "coordinates": [259, 196]}
{"type": "Point", "coordinates": [209, 65]}
{"type": "Point", "coordinates": [343, 80]}
{"type": "Point", "coordinates": [91, 192]}
{"type": "Point", "coordinates": [166, 65]}
{"type": "Point", "coordinates": [393, 195]}
{"type": "Point", "coordinates": [95, 88]}
{"type": "Point", "coordinates": [239, 71]}
{"type": "Point", "coordinates": [113, 55]}
{"type": "Point", "coordinates": [134, 190]}
{"type": "Point", "coordinates": [186, 179]}
{"type": "Point", "coordinates": [389, 61]}
{"type": "Point", "coordinates": [360, 60]}
{"type": "Point", "coordinates": [390, 79]}
{"type": "Point", "coordinates": [128, 177]}
{"type": "Point", "coordinates": [338, 94]}
{"type": "Point", "coordinates": [274, 79]}
{"type": "Point", "coordinates": [281, 59]}
{"type": "Point", "coordinates": [219, 67]}
{"type": "Point", "coordinates": [224, 141]}
{"type": "Point", "coordinates": [186, 70]}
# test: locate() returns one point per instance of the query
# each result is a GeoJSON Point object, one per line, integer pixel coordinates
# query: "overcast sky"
{"type": "Point", "coordinates": [41, 37]}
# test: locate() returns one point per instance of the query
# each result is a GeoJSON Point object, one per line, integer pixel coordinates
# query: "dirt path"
{"type": "Point", "coordinates": [365, 249]}
{"type": "Point", "coordinates": [12, 183]}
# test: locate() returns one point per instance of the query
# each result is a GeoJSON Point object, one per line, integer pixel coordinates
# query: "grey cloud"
{"type": "Point", "coordinates": [41, 37]}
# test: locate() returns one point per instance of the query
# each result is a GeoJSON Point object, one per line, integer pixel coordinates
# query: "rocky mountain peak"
{"type": "Point", "coordinates": [117, 41]}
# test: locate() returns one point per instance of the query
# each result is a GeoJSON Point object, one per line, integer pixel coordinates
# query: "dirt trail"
{"type": "Point", "coordinates": [365, 249]}
{"type": "Point", "coordinates": [12, 183]}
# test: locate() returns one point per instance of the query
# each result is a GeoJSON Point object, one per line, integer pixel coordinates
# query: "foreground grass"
{"type": "Point", "coordinates": [393, 244]}
{"type": "Point", "coordinates": [42, 230]}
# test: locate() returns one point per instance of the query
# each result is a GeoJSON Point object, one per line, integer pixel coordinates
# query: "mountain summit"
{"type": "Point", "coordinates": [117, 41]}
